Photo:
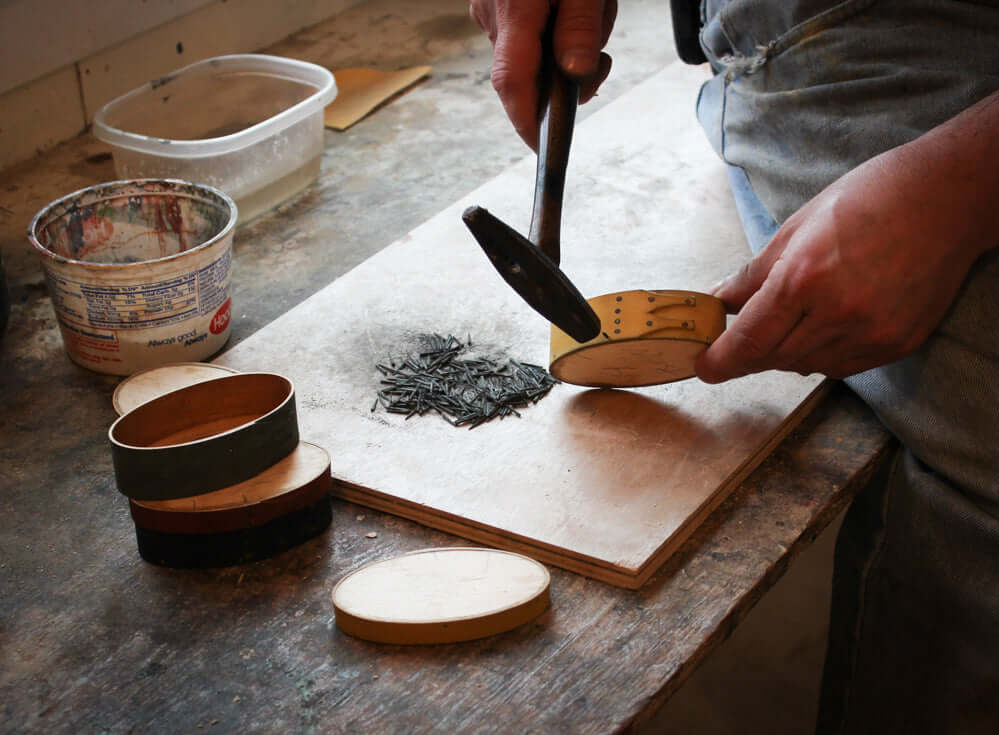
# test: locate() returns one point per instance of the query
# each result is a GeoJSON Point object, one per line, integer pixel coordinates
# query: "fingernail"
{"type": "Point", "coordinates": [578, 63]}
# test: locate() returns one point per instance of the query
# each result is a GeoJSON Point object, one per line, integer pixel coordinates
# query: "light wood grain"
{"type": "Point", "coordinates": [605, 483]}
{"type": "Point", "coordinates": [441, 596]}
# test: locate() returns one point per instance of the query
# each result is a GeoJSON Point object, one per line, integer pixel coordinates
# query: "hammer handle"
{"type": "Point", "coordinates": [560, 96]}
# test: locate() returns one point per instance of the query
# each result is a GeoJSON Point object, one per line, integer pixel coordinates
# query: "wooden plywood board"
{"type": "Point", "coordinates": [605, 483]}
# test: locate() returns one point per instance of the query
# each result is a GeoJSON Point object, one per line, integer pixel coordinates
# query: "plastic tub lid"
{"type": "Point", "coordinates": [276, 67]}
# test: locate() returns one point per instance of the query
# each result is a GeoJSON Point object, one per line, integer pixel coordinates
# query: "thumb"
{"type": "Point", "coordinates": [739, 287]}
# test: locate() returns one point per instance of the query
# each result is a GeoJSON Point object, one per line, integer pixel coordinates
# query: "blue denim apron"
{"type": "Point", "coordinates": [804, 91]}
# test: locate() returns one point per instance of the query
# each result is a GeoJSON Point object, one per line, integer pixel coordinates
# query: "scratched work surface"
{"type": "Point", "coordinates": [606, 483]}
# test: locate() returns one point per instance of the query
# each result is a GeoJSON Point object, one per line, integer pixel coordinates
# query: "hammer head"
{"type": "Point", "coordinates": [533, 275]}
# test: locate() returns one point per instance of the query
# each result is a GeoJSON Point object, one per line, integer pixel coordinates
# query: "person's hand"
{"type": "Point", "coordinates": [516, 27]}
{"type": "Point", "coordinates": [861, 275]}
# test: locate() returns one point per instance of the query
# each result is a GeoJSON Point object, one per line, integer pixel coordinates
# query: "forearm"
{"type": "Point", "coordinates": [951, 176]}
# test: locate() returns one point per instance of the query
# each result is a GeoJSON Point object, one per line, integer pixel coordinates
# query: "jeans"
{"type": "Point", "coordinates": [804, 91]}
{"type": "Point", "coordinates": [914, 625]}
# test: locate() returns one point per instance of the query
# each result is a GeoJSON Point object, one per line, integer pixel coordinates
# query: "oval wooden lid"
{"type": "Point", "coordinates": [441, 595]}
{"type": "Point", "coordinates": [146, 385]}
{"type": "Point", "coordinates": [295, 482]}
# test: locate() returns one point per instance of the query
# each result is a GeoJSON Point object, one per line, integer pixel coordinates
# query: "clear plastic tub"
{"type": "Point", "coordinates": [249, 124]}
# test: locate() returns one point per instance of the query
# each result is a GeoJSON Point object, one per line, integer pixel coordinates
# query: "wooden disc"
{"type": "Point", "coordinates": [146, 385]}
{"type": "Point", "coordinates": [646, 338]}
{"type": "Point", "coordinates": [441, 596]}
{"type": "Point", "coordinates": [297, 481]}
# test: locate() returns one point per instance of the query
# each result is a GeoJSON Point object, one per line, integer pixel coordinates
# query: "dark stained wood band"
{"type": "Point", "coordinates": [200, 551]}
{"type": "Point", "coordinates": [204, 437]}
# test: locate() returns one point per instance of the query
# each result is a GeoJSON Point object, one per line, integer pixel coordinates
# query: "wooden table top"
{"type": "Point", "coordinates": [96, 640]}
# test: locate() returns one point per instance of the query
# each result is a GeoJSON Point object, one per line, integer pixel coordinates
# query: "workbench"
{"type": "Point", "coordinates": [96, 640]}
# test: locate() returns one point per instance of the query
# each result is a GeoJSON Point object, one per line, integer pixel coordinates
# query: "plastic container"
{"type": "Point", "coordinates": [139, 272]}
{"type": "Point", "coordinates": [249, 124]}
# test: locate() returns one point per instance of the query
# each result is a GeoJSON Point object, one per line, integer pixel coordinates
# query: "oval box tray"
{"type": "Point", "coordinates": [205, 436]}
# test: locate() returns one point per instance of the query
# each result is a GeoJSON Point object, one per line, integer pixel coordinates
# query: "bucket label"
{"type": "Point", "coordinates": [220, 321]}
{"type": "Point", "coordinates": [92, 346]}
{"type": "Point", "coordinates": [143, 306]}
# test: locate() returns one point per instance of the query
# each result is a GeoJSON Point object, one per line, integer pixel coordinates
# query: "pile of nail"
{"type": "Point", "coordinates": [463, 391]}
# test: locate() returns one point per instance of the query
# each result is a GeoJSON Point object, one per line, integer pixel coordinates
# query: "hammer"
{"type": "Point", "coordinates": [531, 265]}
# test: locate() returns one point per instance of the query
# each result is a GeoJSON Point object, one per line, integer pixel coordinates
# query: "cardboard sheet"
{"type": "Point", "coordinates": [605, 483]}
{"type": "Point", "coordinates": [361, 90]}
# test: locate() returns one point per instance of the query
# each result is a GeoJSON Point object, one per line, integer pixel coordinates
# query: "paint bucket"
{"type": "Point", "coordinates": [139, 272]}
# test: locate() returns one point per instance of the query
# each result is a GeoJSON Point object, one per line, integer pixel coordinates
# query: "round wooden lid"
{"type": "Point", "coordinates": [441, 595]}
{"type": "Point", "coordinates": [146, 385]}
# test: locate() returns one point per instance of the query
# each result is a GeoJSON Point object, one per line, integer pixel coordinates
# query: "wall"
{"type": "Point", "coordinates": [61, 60]}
